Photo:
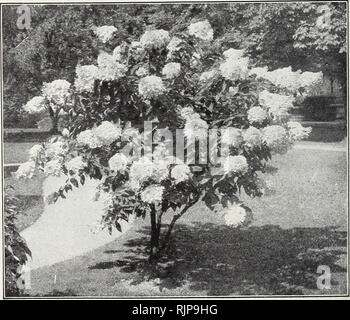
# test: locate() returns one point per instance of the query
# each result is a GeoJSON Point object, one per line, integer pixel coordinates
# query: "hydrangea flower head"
{"type": "Point", "coordinates": [235, 69]}
{"type": "Point", "coordinates": [118, 163]}
{"type": "Point", "coordinates": [186, 112]}
{"type": "Point", "coordinates": [87, 137]}
{"type": "Point", "coordinates": [86, 76]}
{"type": "Point", "coordinates": [235, 215]}
{"type": "Point", "coordinates": [171, 70]}
{"type": "Point", "coordinates": [155, 39]}
{"type": "Point", "coordinates": [105, 33]}
{"type": "Point", "coordinates": [252, 137]}
{"type": "Point", "coordinates": [233, 54]}
{"type": "Point", "coordinates": [75, 164]}
{"type": "Point", "coordinates": [107, 132]}
{"type": "Point", "coordinates": [53, 167]}
{"type": "Point", "coordinates": [151, 87]}
{"type": "Point", "coordinates": [275, 137]}
{"type": "Point", "coordinates": [56, 91]}
{"type": "Point", "coordinates": [231, 136]}
{"type": "Point", "coordinates": [235, 165]}
{"type": "Point", "coordinates": [180, 173]}
{"type": "Point", "coordinates": [201, 30]}
{"type": "Point", "coordinates": [278, 105]}
{"type": "Point", "coordinates": [141, 170]}
{"type": "Point", "coordinates": [152, 194]}
{"type": "Point", "coordinates": [35, 105]}
{"type": "Point", "coordinates": [256, 115]}
{"type": "Point", "coordinates": [173, 46]}
{"type": "Point", "coordinates": [195, 127]}
{"type": "Point", "coordinates": [297, 131]}
{"type": "Point", "coordinates": [109, 69]}
{"type": "Point", "coordinates": [26, 170]}
{"type": "Point", "coordinates": [208, 75]}
{"type": "Point", "coordinates": [55, 149]}
{"type": "Point", "coordinates": [35, 151]}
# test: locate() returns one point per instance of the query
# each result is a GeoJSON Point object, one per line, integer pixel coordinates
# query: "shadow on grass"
{"type": "Point", "coordinates": [31, 208]}
{"type": "Point", "coordinates": [224, 261]}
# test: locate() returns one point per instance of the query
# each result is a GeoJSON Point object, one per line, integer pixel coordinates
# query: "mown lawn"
{"type": "Point", "coordinates": [30, 199]}
{"type": "Point", "coordinates": [17, 152]}
{"type": "Point", "coordinates": [299, 225]}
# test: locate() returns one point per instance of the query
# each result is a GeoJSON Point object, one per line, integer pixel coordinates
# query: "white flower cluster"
{"type": "Point", "coordinates": [118, 53]}
{"type": "Point", "coordinates": [65, 133]}
{"type": "Point", "coordinates": [105, 33]}
{"type": "Point", "coordinates": [86, 76]}
{"type": "Point", "coordinates": [201, 30]}
{"type": "Point", "coordinates": [235, 165]}
{"type": "Point", "coordinates": [278, 105]}
{"type": "Point", "coordinates": [233, 54]}
{"type": "Point", "coordinates": [26, 170]}
{"type": "Point", "coordinates": [180, 173]}
{"type": "Point", "coordinates": [76, 164]}
{"type": "Point", "coordinates": [155, 39]}
{"type": "Point", "coordinates": [310, 80]}
{"type": "Point", "coordinates": [259, 72]}
{"type": "Point", "coordinates": [207, 75]}
{"type": "Point", "coordinates": [231, 136]}
{"type": "Point", "coordinates": [186, 112]}
{"type": "Point", "coordinates": [152, 194]}
{"type": "Point", "coordinates": [283, 78]}
{"type": "Point", "coordinates": [141, 72]}
{"type": "Point", "coordinates": [55, 149]}
{"type": "Point", "coordinates": [87, 137]}
{"type": "Point", "coordinates": [195, 127]}
{"type": "Point", "coordinates": [35, 105]}
{"type": "Point", "coordinates": [35, 152]}
{"type": "Point", "coordinates": [130, 133]}
{"type": "Point", "coordinates": [171, 70]}
{"type": "Point", "coordinates": [151, 87]}
{"type": "Point", "coordinates": [288, 79]}
{"type": "Point", "coordinates": [276, 138]}
{"type": "Point", "coordinates": [252, 137]}
{"type": "Point", "coordinates": [195, 59]}
{"type": "Point", "coordinates": [107, 132]}
{"type": "Point", "coordinates": [104, 134]}
{"type": "Point", "coordinates": [136, 49]}
{"type": "Point", "coordinates": [53, 167]}
{"type": "Point", "coordinates": [109, 69]}
{"type": "Point", "coordinates": [118, 163]}
{"type": "Point", "coordinates": [56, 91]}
{"type": "Point", "coordinates": [173, 46]}
{"type": "Point", "coordinates": [235, 66]}
{"type": "Point", "coordinates": [257, 115]}
{"type": "Point", "coordinates": [297, 131]}
{"type": "Point", "coordinates": [235, 215]}
{"type": "Point", "coordinates": [144, 169]}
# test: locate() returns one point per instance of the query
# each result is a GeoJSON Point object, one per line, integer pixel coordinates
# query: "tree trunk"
{"type": "Point", "coordinates": [54, 129]}
{"type": "Point", "coordinates": [154, 236]}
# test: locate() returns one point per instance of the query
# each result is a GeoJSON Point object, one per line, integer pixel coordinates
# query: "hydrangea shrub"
{"type": "Point", "coordinates": [124, 120]}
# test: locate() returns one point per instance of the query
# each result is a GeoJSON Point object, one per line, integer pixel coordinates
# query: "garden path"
{"type": "Point", "coordinates": [65, 228]}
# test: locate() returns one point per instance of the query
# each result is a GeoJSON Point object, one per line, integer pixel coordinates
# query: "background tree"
{"type": "Point", "coordinates": [306, 36]}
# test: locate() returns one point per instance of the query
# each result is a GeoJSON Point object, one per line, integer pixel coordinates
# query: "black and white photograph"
{"type": "Point", "coordinates": [174, 149]}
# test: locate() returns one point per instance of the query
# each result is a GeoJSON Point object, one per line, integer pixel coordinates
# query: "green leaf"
{"type": "Point", "coordinates": [118, 226]}
{"type": "Point", "coordinates": [74, 182]}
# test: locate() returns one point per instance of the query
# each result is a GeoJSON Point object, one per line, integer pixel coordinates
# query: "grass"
{"type": "Point", "coordinates": [17, 152]}
{"type": "Point", "coordinates": [299, 224]}
{"type": "Point", "coordinates": [31, 201]}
